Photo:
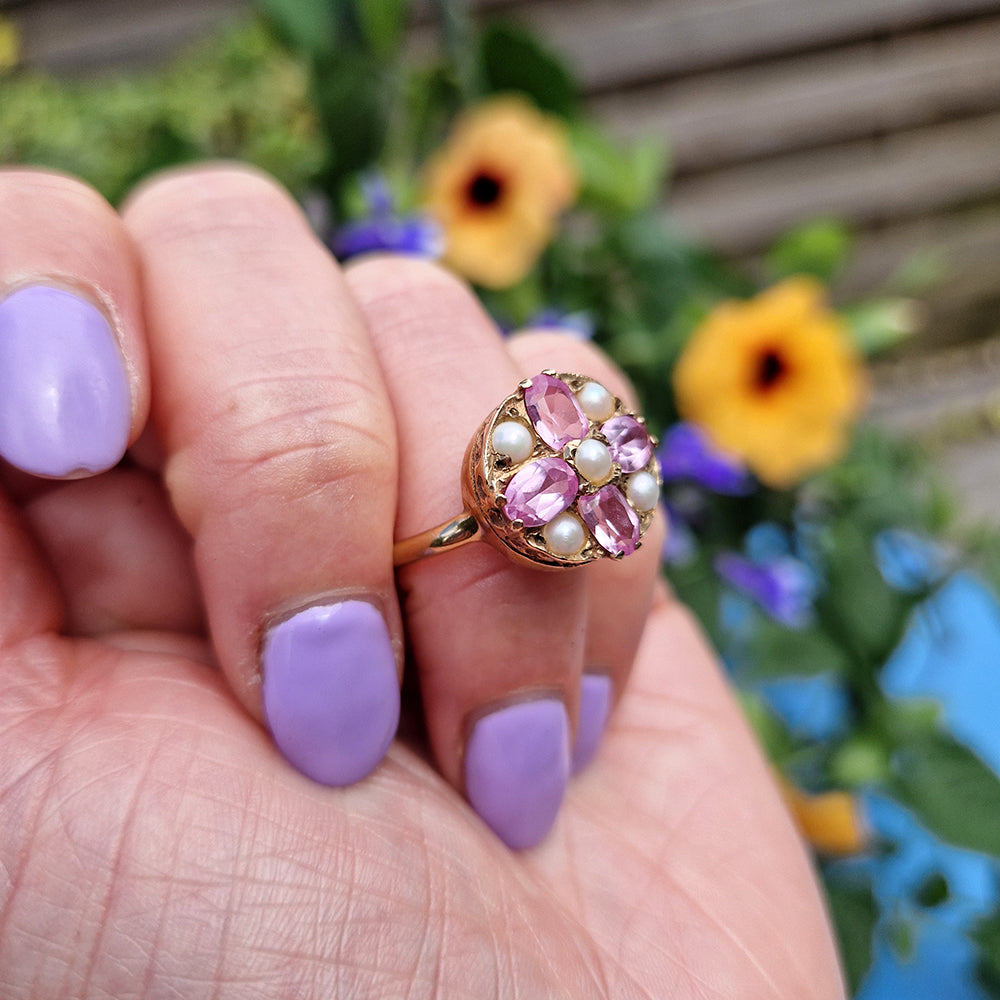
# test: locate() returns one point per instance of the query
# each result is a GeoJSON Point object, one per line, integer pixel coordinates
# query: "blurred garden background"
{"type": "Point", "coordinates": [782, 217]}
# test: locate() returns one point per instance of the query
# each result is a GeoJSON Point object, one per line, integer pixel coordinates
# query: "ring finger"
{"type": "Point", "coordinates": [498, 647]}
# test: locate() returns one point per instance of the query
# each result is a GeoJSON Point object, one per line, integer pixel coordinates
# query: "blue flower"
{"type": "Point", "coordinates": [784, 587]}
{"type": "Point", "coordinates": [383, 230]}
{"type": "Point", "coordinates": [687, 453]}
{"type": "Point", "coordinates": [909, 562]}
{"type": "Point", "coordinates": [579, 325]}
{"type": "Point", "coordinates": [679, 544]}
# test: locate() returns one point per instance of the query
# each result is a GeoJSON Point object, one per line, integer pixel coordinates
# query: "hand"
{"type": "Point", "coordinates": [154, 842]}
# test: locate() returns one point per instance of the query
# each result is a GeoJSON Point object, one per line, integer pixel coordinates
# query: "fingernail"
{"type": "Point", "coordinates": [516, 769]}
{"type": "Point", "coordinates": [64, 395]}
{"type": "Point", "coordinates": [331, 693]}
{"type": "Point", "coordinates": [595, 703]}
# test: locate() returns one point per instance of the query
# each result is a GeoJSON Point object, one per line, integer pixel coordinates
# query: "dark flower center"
{"type": "Point", "coordinates": [484, 189]}
{"type": "Point", "coordinates": [771, 369]}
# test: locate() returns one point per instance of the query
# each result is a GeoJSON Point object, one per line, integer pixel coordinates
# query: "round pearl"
{"type": "Point", "coordinates": [513, 440]}
{"type": "Point", "coordinates": [564, 535]}
{"type": "Point", "coordinates": [593, 460]}
{"type": "Point", "coordinates": [596, 401]}
{"type": "Point", "coordinates": [643, 491]}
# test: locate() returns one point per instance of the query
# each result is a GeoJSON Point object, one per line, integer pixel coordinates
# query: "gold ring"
{"type": "Point", "coordinates": [561, 473]}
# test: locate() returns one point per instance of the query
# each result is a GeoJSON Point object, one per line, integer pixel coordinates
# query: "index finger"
{"type": "Point", "coordinates": [73, 374]}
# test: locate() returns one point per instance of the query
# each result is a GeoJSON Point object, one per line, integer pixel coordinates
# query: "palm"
{"type": "Point", "coordinates": [155, 843]}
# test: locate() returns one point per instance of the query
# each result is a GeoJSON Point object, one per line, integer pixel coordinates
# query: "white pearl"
{"type": "Point", "coordinates": [643, 491]}
{"type": "Point", "coordinates": [513, 440]}
{"type": "Point", "coordinates": [596, 401]}
{"type": "Point", "coordinates": [564, 535]}
{"type": "Point", "coordinates": [593, 460]}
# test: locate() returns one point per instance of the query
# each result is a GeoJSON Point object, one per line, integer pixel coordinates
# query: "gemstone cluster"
{"type": "Point", "coordinates": [564, 473]}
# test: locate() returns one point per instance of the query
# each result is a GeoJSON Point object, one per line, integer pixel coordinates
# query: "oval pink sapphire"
{"type": "Point", "coordinates": [611, 520]}
{"type": "Point", "coordinates": [540, 491]}
{"type": "Point", "coordinates": [554, 412]}
{"type": "Point", "coordinates": [629, 442]}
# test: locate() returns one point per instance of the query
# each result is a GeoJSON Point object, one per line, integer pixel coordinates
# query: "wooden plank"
{"type": "Point", "coordinates": [631, 41]}
{"type": "Point", "coordinates": [739, 210]}
{"type": "Point", "coordinates": [742, 113]}
{"type": "Point", "coordinates": [966, 243]}
{"type": "Point", "coordinates": [73, 37]}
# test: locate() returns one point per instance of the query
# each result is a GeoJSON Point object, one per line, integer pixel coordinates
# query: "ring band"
{"type": "Point", "coordinates": [561, 473]}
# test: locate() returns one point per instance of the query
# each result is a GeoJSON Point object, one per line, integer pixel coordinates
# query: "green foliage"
{"type": "Point", "coordinates": [820, 248]}
{"type": "Point", "coordinates": [777, 651]}
{"type": "Point", "coordinates": [513, 60]}
{"type": "Point", "coordinates": [952, 791]}
{"type": "Point", "coordinates": [854, 913]}
{"type": "Point", "coordinates": [239, 97]}
{"type": "Point", "coordinates": [310, 26]}
{"type": "Point", "coordinates": [986, 936]}
{"type": "Point", "coordinates": [614, 179]}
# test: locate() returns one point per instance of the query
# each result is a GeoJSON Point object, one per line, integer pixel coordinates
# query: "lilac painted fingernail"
{"type": "Point", "coordinates": [516, 769]}
{"type": "Point", "coordinates": [64, 396]}
{"type": "Point", "coordinates": [595, 703]}
{"type": "Point", "coordinates": [331, 693]}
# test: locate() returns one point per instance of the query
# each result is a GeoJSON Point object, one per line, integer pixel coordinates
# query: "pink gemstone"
{"type": "Point", "coordinates": [554, 412]}
{"type": "Point", "coordinates": [540, 491]}
{"type": "Point", "coordinates": [611, 520]}
{"type": "Point", "coordinates": [630, 443]}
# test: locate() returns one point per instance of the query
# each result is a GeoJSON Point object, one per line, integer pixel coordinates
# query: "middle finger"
{"type": "Point", "coordinates": [499, 647]}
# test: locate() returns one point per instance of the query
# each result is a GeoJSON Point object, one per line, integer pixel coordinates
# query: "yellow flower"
{"type": "Point", "coordinates": [10, 45]}
{"type": "Point", "coordinates": [497, 187]}
{"type": "Point", "coordinates": [831, 822]}
{"type": "Point", "coordinates": [774, 380]}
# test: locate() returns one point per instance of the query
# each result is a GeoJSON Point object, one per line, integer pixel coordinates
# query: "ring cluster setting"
{"type": "Point", "coordinates": [561, 473]}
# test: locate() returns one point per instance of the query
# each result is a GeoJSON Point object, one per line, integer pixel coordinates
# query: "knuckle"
{"type": "Point", "coordinates": [413, 296]}
{"type": "Point", "coordinates": [209, 201]}
{"type": "Point", "coordinates": [274, 440]}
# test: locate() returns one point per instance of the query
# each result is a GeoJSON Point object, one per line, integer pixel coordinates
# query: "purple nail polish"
{"type": "Point", "coordinates": [64, 395]}
{"type": "Point", "coordinates": [595, 703]}
{"type": "Point", "coordinates": [516, 769]}
{"type": "Point", "coordinates": [331, 693]}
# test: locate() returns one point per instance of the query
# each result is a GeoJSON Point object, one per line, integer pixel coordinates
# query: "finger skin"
{"type": "Point", "coordinates": [499, 647]}
{"type": "Point", "coordinates": [619, 592]}
{"type": "Point", "coordinates": [279, 460]}
{"type": "Point", "coordinates": [74, 387]}
{"type": "Point", "coordinates": [29, 598]}
{"type": "Point", "coordinates": [121, 559]}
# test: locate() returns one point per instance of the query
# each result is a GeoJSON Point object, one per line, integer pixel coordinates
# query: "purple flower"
{"type": "Point", "coordinates": [783, 587]}
{"type": "Point", "coordinates": [383, 230]}
{"type": "Point", "coordinates": [578, 324]}
{"type": "Point", "coordinates": [687, 453]}
{"type": "Point", "coordinates": [413, 235]}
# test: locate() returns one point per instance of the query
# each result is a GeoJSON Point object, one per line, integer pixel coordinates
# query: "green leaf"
{"type": "Point", "coordinates": [859, 762]}
{"type": "Point", "coordinates": [884, 323]}
{"type": "Point", "coordinates": [382, 23]}
{"type": "Point", "coordinates": [986, 937]}
{"type": "Point", "coordinates": [777, 651]}
{"type": "Point", "coordinates": [933, 891]}
{"type": "Point", "coordinates": [307, 25]}
{"type": "Point", "coordinates": [512, 59]}
{"type": "Point", "coordinates": [854, 914]}
{"type": "Point", "coordinates": [951, 791]}
{"type": "Point", "coordinates": [770, 731]}
{"type": "Point", "coordinates": [613, 178]}
{"type": "Point", "coordinates": [348, 95]}
{"type": "Point", "coordinates": [820, 248]}
{"type": "Point", "coordinates": [858, 607]}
